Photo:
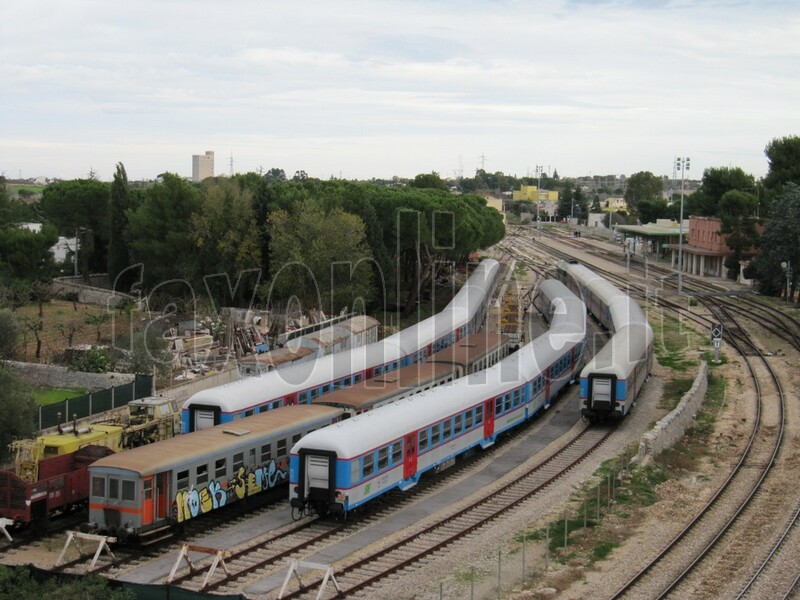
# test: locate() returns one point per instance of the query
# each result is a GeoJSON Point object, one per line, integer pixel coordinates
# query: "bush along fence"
{"type": "Point", "coordinates": [95, 403]}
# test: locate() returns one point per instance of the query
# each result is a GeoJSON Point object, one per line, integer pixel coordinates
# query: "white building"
{"type": "Point", "coordinates": [202, 166]}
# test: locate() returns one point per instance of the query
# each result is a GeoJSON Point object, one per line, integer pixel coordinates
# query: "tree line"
{"type": "Point", "coordinates": [251, 238]}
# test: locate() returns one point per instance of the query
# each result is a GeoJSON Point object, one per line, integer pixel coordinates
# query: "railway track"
{"type": "Point", "coordinates": [761, 510]}
{"type": "Point", "coordinates": [369, 570]}
{"type": "Point", "coordinates": [673, 569]}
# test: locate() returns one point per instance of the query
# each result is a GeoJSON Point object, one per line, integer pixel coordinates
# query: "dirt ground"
{"type": "Point", "coordinates": [63, 324]}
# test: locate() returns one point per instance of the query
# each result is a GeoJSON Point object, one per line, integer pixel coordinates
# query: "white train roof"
{"type": "Point", "coordinates": [243, 394]}
{"type": "Point", "coordinates": [376, 428]}
{"type": "Point", "coordinates": [621, 307]}
{"type": "Point", "coordinates": [622, 353]}
{"type": "Point", "coordinates": [252, 391]}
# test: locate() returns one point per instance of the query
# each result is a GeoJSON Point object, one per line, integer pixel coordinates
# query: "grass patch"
{"type": "Point", "coordinates": [673, 391]}
{"type": "Point", "coordinates": [588, 538]}
{"type": "Point", "coordinates": [462, 576]}
{"type": "Point", "coordinates": [672, 340]}
{"type": "Point", "coordinates": [45, 396]}
{"type": "Point", "coordinates": [683, 456]}
{"type": "Point", "coordinates": [603, 549]}
{"type": "Point", "coordinates": [640, 487]}
{"type": "Point", "coordinates": [709, 358]}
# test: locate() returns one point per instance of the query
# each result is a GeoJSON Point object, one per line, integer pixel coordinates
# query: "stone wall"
{"type": "Point", "coordinates": [672, 426]}
{"type": "Point", "coordinates": [39, 375]}
{"type": "Point", "coordinates": [96, 293]}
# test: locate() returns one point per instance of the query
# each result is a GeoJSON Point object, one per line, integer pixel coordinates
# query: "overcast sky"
{"type": "Point", "coordinates": [363, 89]}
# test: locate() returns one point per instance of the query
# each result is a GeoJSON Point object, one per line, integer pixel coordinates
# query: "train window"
{"type": "Point", "coordinates": [238, 462]}
{"type": "Point", "coordinates": [358, 377]}
{"type": "Point", "coordinates": [436, 432]}
{"type": "Point", "coordinates": [303, 397]}
{"type": "Point", "coordinates": [128, 490]}
{"type": "Point", "coordinates": [383, 458]}
{"type": "Point", "coordinates": [368, 465]}
{"type": "Point", "coordinates": [113, 488]}
{"type": "Point", "coordinates": [266, 453]}
{"type": "Point", "coordinates": [326, 388]}
{"type": "Point", "coordinates": [148, 489]}
{"type": "Point", "coordinates": [220, 468]}
{"type": "Point", "coordinates": [99, 487]}
{"type": "Point", "coordinates": [468, 420]}
{"type": "Point", "coordinates": [498, 405]}
{"type": "Point", "coordinates": [447, 425]}
{"type": "Point", "coordinates": [251, 457]}
{"type": "Point", "coordinates": [295, 438]}
{"type": "Point", "coordinates": [183, 479]}
{"type": "Point", "coordinates": [201, 474]}
{"type": "Point", "coordinates": [423, 440]}
{"type": "Point", "coordinates": [507, 402]}
{"type": "Point", "coordinates": [281, 450]}
{"type": "Point", "coordinates": [249, 413]}
{"type": "Point", "coordinates": [276, 404]}
{"type": "Point", "coordinates": [457, 428]}
{"type": "Point", "coordinates": [397, 452]}
{"type": "Point", "coordinates": [479, 414]}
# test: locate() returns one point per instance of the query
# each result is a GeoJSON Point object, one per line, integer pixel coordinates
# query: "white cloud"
{"type": "Point", "coordinates": [382, 88]}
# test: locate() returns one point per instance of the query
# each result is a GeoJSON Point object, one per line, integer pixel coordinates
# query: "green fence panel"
{"type": "Point", "coordinates": [48, 415]}
{"type": "Point", "coordinates": [144, 385]}
{"type": "Point", "coordinates": [78, 407]}
{"type": "Point", "coordinates": [123, 394]}
{"type": "Point", "coordinates": [101, 401]}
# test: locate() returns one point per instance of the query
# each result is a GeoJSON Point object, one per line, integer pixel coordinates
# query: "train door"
{"type": "Point", "coordinates": [290, 399]}
{"type": "Point", "coordinates": [547, 387]}
{"type": "Point", "coordinates": [410, 461]}
{"type": "Point", "coordinates": [488, 418]}
{"type": "Point", "coordinates": [202, 417]}
{"type": "Point", "coordinates": [147, 500]}
{"type": "Point", "coordinates": [161, 500]}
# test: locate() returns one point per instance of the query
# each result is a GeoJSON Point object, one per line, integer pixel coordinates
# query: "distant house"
{"type": "Point", "coordinates": [64, 247]}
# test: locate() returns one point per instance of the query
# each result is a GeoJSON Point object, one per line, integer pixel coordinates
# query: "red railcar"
{"type": "Point", "coordinates": [63, 484]}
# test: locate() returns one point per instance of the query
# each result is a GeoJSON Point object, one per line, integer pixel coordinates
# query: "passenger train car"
{"type": "Point", "coordinates": [339, 468]}
{"type": "Point", "coordinates": [613, 379]}
{"type": "Point", "coordinates": [145, 490]}
{"type": "Point", "coordinates": [475, 352]}
{"type": "Point", "coordinates": [182, 469]}
{"type": "Point", "coordinates": [303, 383]}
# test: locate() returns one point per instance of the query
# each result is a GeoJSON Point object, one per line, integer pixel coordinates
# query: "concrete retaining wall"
{"type": "Point", "coordinates": [56, 376]}
{"type": "Point", "coordinates": [183, 391]}
{"type": "Point", "coordinates": [672, 426]}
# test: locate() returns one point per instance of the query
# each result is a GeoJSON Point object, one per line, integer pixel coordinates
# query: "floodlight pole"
{"type": "Point", "coordinates": [683, 166]}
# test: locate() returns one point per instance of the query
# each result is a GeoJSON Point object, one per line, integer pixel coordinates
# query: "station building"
{"type": "Point", "coordinates": [703, 251]}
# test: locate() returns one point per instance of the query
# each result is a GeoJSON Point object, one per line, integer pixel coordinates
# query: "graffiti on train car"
{"type": "Point", "coordinates": [189, 504]}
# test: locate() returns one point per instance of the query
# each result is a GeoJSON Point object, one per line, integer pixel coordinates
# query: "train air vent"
{"type": "Point", "coordinates": [236, 432]}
